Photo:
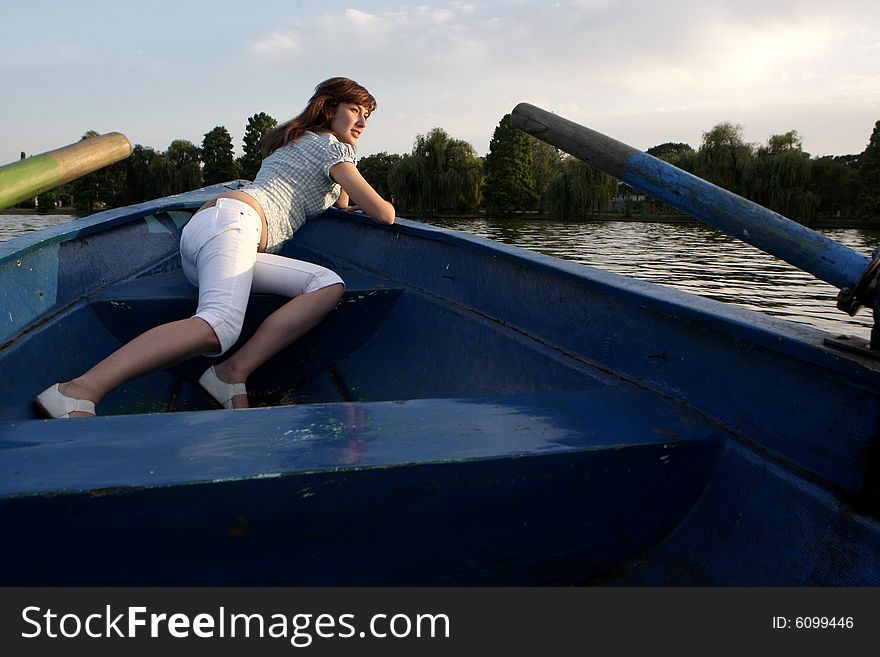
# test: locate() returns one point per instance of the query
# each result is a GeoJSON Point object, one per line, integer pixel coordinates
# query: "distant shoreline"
{"type": "Point", "coordinates": [36, 211]}
{"type": "Point", "coordinates": [604, 216]}
{"type": "Point", "coordinates": [634, 218]}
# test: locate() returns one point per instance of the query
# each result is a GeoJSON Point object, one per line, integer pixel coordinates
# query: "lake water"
{"type": "Point", "coordinates": [14, 225]}
{"type": "Point", "coordinates": [689, 257]}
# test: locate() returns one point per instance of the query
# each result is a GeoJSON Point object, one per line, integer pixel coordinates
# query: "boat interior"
{"type": "Point", "coordinates": [384, 341]}
{"type": "Point", "coordinates": [593, 416]}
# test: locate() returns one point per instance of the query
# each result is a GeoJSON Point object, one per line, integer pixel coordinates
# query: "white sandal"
{"type": "Point", "coordinates": [53, 404]}
{"type": "Point", "coordinates": [221, 391]}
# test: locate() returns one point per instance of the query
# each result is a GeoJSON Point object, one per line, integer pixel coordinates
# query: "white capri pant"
{"type": "Point", "coordinates": [218, 251]}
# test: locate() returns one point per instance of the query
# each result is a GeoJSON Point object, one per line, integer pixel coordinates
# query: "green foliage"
{"type": "Point", "coordinates": [441, 174]}
{"type": "Point", "coordinates": [257, 126]}
{"type": "Point", "coordinates": [184, 158]}
{"type": "Point", "coordinates": [669, 150]}
{"type": "Point", "coordinates": [723, 157]}
{"type": "Point", "coordinates": [778, 177]}
{"type": "Point", "coordinates": [790, 141]}
{"type": "Point", "coordinates": [510, 183]}
{"type": "Point", "coordinates": [161, 176]}
{"type": "Point", "coordinates": [461, 180]}
{"type": "Point", "coordinates": [405, 183]}
{"type": "Point", "coordinates": [217, 156]}
{"type": "Point", "coordinates": [836, 184]}
{"type": "Point", "coordinates": [99, 188]}
{"type": "Point", "coordinates": [376, 169]}
{"type": "Point", "coordinates": [138, 184]}
{"type": "Point", "coordinates": [546, 165]}
{"type": "Point", "coordinates": [46, 201]}
{"type": "Point", "coordinates": [677, 154]}
{"type": "Point", "coordinates": [579, 191]}
{"type": "Point", "coordinates": [868, 202]}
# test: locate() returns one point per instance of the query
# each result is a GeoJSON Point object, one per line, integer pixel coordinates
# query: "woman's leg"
{"type": "Point", "coordinates": [217, 252]}
{"type": "Point", "coordinates": [159, 347]}
{"type": "Point", "coordinates": [316, 291]}
{"type": "Point", "coordinates": [279, 330]}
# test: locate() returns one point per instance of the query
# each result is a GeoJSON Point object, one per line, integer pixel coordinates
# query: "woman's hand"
{"type": "Point", "coordinates": [362, 193]}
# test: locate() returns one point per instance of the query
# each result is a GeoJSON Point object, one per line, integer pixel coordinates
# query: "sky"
{"type": "Point", "coordinates": [643, 72]}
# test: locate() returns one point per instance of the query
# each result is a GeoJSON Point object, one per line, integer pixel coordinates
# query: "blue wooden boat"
{"type": "Point", "coordinates": [471, 413]}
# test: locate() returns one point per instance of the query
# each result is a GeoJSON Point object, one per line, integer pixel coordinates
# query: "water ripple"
{"type": "Point", "coordinates": [689, 257]}
{"type": "Point", "coordinates": [15, 225]}
{"type": "Point", "coordinates": [693, 258]}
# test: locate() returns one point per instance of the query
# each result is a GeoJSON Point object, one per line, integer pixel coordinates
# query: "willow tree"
{"type": "Point", "coordinates": [405, 180]}
{"type": "Point", "coordinates": [184, 157]}
{"type": "Point", "coordinates": [579, 191]}
{"type": "Point", "coordinates": [546, 165]}
{"type": "Point", "coordinates": [137, 179]}
{"type": "Point", "coordinates": [510, 185]}
{"type": "Point", "coordinates": [868, 202]}
{"type": "Point", "coordinates": [441, 174]}
{"type": "Point", "coordinates": [778, 177]}
{"type": "Point", "coordinates": [101, 187]}
{"type": "Point", "coordinates": [461, 180]}
{"type": "Point", "coordinates": [161, 176]}
{"type": "Point", "coordinates": [724, 157]}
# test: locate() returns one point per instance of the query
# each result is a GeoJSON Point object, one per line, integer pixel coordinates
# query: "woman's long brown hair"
{"type": "Point", "coordinates": [319, 112]}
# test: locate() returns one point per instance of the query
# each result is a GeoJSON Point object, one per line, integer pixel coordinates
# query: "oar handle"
{"type": "Point", "coordinates": [37, 174]}
{"type": "Point", "coordinates": [804, 248]}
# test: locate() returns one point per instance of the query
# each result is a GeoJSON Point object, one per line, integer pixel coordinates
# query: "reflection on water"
{"type": "Point", "coordinates": [693, 258]}
{"type": "Point", "coordinates": [14, 225]}
{"type": "Point", "coordinates": [690, 257]}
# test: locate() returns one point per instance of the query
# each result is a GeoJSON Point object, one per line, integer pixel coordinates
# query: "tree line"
{"type": "Point", "coordinates": [147, 173]}
{"type": "Point", "coordinates": [519, 174]}
{"type": "Point", "coordinates": [781, 176]}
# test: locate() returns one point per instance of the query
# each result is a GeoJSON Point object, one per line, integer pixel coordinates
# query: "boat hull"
{"type": "Point", "coordinates": [471, 413]}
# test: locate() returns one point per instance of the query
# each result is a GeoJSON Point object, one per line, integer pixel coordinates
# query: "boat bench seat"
{"type": "Point", "coordinates": [573, 480]}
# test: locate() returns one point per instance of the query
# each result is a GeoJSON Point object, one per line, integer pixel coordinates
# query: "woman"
{"type": "Point", "coordinates": [227, 249]}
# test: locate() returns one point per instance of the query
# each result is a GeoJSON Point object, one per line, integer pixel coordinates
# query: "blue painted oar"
{"type": "Point", "coordinates": [804, 248]}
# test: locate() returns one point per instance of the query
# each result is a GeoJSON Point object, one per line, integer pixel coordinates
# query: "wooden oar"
{"type": "Point", "coordinates": [804, 248]}
{"type": "Point", "coordinates": [37, 174]}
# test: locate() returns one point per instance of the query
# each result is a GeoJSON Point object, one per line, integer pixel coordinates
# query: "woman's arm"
{"type": "Point", "coordinates": [362, 193]}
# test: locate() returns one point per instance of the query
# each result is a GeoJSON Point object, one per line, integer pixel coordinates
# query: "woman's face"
{"type": "Point", "coordinates": [349, 122]}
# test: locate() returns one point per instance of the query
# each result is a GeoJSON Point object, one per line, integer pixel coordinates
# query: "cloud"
{"type": "Point", "coordinates": [643, 72]}
{"type": "Point", "coordinates": [856, 88]}
{"type": "Point", "coordinates": [278, 44]}
{"type": "Point", "coordinates": [469, 63]}
{"type": "Point", "coordinates": [361, 17]}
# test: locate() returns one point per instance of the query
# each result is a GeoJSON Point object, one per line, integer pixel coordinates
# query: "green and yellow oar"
{"type": "Point", "coordinates": [34, 175]}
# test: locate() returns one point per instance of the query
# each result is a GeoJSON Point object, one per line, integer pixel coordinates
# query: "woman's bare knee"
{"type": "Point", "coordinates": [208, 335]}
{"type": "Point", "coordinates": [330, 296]}
{"type": "Point", "coordinates": [335, 291]}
